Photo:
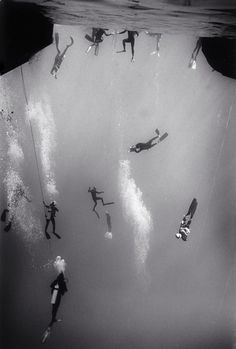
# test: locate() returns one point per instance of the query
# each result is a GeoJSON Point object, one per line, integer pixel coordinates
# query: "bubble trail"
{"type": "Point", "coordinates": [136, 213]}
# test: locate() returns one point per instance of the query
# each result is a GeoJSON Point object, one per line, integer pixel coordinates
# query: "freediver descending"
{"type": "Point", "coordinates": [130, 39]}
{"type": "Point", "coordinates": [58, 289]}
{"type": "Point", "coordinates": [60, 55]}
{"type": "Point", "coordinates": [50, 217]}
{"type": "Point", "coordinates": [96, 38]}
{"type": "Point", "coordinates": [148, 145]}
{"type": "Point", "coordinates": [95, 198]}
{"type": "Point", "coordinates": [184, 229]}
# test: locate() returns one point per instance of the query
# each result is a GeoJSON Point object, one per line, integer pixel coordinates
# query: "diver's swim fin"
{"type": "Point", "coordinates": [46, 335]}
{"type": "Point", "coordinates": [57, 39]}
{"type": "Point", "coordinates": [58, 236]}
{"type": "Point", "coordinates": [4, 215]}
{"type": "Point", "coordinates": [88, 37]}
{"type": "Point", "coordinates": [7, 227]}
{"type": "Point", "coordinates": [192, 207]}
{"type": "Point", "coordinates": [162, 137]}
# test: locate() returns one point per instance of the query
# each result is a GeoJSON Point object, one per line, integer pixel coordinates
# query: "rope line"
{"type": "Point", "coordinates": [32, 135]}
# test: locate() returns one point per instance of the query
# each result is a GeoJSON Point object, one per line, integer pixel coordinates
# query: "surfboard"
{"type": "Point", "coordinates": [163, 137]}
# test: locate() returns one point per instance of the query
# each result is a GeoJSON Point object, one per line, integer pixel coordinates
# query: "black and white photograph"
{"type": "Point", "coordinates": [118, 174]}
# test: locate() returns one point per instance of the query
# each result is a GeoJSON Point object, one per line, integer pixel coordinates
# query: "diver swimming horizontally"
{"type": "Point", "coordinates": [60, 55]}
{"type": "Point", "coordinates": [95, 198]}
{"type": "Point", "coordinates": [184, 229]}
{"type": "Point", "coordinates": [50, 217]}
{"type": "Point", "coordinates": [148, 145]}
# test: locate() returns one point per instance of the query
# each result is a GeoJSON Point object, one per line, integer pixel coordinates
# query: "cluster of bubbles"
{"type": "Point", "coordinates": [40, 112]}
{"type": "Point", "coordinates": [20, 212]}
{"type": "Point", "coordinates": [136, 212]}
{"type": "Point", "coordinates": [59, 264]}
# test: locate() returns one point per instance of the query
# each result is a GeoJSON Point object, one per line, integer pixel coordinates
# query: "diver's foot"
{"type": "Point", "coordinates": [58, 236]}
{"type": "Point", "coordinates": [47, 235]}
{"type": "Point", "coordinates": [157, 131]}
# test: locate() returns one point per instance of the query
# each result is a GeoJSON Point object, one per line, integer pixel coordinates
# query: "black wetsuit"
{"type": "Point", "coordinates": [52, 209]}
{"type": "Point", "coordinates": [60, 285]}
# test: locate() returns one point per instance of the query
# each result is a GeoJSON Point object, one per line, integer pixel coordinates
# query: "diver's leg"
{"type": "Point", "coordinates": [124, 42]}
{"type": "Point", "coordinates": [55, 309]}
{"type": "Point", "coordinates": [54, 228]}
{"type": "Point", "coordinates": [149, 143]}
{"type": "Point", "coordinates": [192, 208]}
{"type": "Point", "coordinates": [95, 204]}
{"type": "Point", "coordinates": [57, 42]}
{"type": "Point", "coordinates": [46, 227]}
{"type": "Point", "coordinates": [152, 145]}
{"type": "Point", "coordinates": [132, 48]}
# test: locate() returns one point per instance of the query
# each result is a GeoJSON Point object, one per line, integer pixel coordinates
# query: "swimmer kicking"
{"type": "Point", "coordinates": [60, 56]}
{"type": "Point", "coordinates": [95, 198]}
{"type": "Point", "coordinates": [148, 145]}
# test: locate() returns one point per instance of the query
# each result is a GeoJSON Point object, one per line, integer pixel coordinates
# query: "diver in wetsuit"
{"type": "Point", "coordinates": [52, 209]}
{"type": "Point", "coordinates": [60, 56]}
{"type": "Point", "coordinates": [184, 229]}
{"type": "Point", "coordinates": [95, 198]}
{"type": "Point", "coordinates": [58, 289]}
{"type": "Point", "coordinates": [145, 146]}
{"type": "Point", "coordinates": [96, 38]}
{"type": "Point", "coordinates": [130, 39]}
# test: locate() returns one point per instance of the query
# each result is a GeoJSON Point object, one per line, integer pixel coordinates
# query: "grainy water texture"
{"type": "Point", "coordinates": [138, 287]}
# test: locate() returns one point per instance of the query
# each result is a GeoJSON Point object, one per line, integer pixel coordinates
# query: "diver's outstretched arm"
{"type": "Point", "coordinates": [46, 205]}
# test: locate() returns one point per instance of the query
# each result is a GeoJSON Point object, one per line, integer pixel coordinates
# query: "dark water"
{"type": "Point", "coordinates": [196, 17]}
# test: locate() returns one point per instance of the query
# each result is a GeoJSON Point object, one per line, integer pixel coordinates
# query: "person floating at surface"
{"type": "Point", "coordinates": [58, 289]}
{"type": "Point", "coordinates": [60, 55]}
{"type": "Point", "coordinates": [96, 38]}
{"type": "Point", "coordinates": [130, 39]}
{"type": "Point", "coordinates": [158, 38]}
{"type": "Point", "coordinates": [146, 146]}
{"type": "Point", "coordinates": [52, 209]}
{"type": "Point", "coordinates": [95, 198]}
{"type": "Point", "coordinates": [184, 229]}
{"type": "Point", "coordinates": [192, 63]}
